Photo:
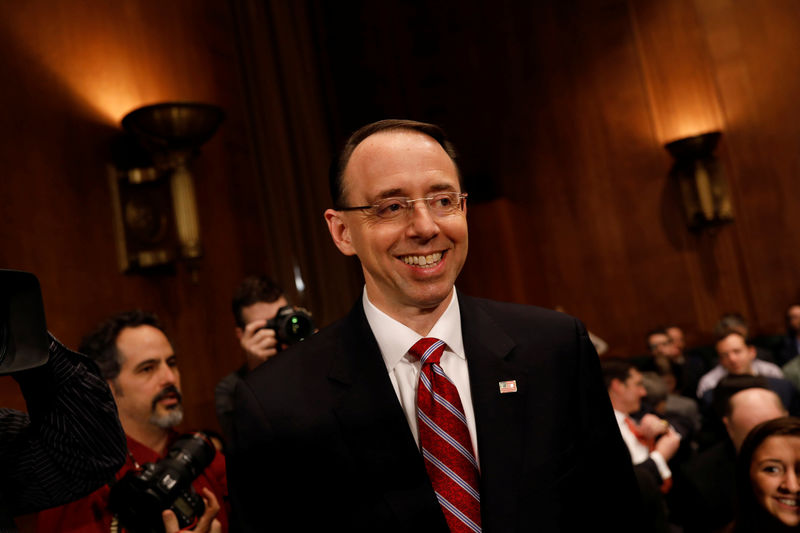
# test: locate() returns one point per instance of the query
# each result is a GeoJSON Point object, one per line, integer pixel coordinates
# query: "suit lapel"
{"type": "Point", "coordinates": [488, 351]}
{"type": "Point", "coordinates": [375, 427]}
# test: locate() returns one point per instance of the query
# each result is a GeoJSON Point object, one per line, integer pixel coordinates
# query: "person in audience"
{"type": "Point", "coordinates": [788, 355]}
{"type": "Point", "coordinates": [768, 478]}
{"type": "Point", "coordinates": [675, 333]}
{"type": "Point", "coordinates": [255, 301]}
{"type": "Point", "coordinates": [738, 357]}
{"type": "Point", "coordinates": [687, 368]}
{"type": "Point", "coordinates": [137, 361]}
{"type": "Point", "coordinates": [736, 322]}
{"type": "Point", "coordinates": [675, 403]}
{"type": "Point", "coordinates": [705, 485]}
{"type": "Point", "coordinates": [651, 441]}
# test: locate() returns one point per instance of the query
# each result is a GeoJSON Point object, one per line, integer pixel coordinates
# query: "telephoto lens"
{"type": "Point", "coordinates": [138, 499]}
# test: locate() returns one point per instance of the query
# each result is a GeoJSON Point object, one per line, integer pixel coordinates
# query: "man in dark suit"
{"type": "Point", "coordinates": [705, 488]}
{"type": "Point", "coordinates": [335, 434]}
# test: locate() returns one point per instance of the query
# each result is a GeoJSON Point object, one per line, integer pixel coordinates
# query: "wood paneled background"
{"type": "Point", "coordinates": [559, 109]}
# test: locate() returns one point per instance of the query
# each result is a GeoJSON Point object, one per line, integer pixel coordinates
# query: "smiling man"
{"type": "Point", "coordinates": [141, 368]}
{"type": "Point", "coordinates": [736, 357]}
{"type": "Point", "coordinates": [425, 409]}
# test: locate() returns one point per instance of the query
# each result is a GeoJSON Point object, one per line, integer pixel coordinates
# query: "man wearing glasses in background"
{"type": "Point", "coordinates": [425, 409]}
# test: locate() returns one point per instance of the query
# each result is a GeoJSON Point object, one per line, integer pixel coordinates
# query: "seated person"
{"type": "Point", "coordinates": [788, 355]}
{"type": "Point", "coordinates": [736, 356]}
{"type": "Point", "coordinates": [736, 322]}
{"type": "Point", "coordinates": [137, 361]}
{"type": "Point", "coordinates": [651, 442]}
{"type": "Point", "coordinates": [766, 478]}
{"type": "Point", "coordinates": [687, 367]}
{"type": "Point", "coordinates": [704, 488]}
{"type": "Point", "coordinates": [676, 403]}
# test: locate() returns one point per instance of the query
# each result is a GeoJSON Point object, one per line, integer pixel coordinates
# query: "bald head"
{"type": "Point", "coordinates": [747, 409]}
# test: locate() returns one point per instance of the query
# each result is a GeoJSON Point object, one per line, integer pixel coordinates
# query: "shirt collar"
{"type": "Point", "coordinates": [395, 339]}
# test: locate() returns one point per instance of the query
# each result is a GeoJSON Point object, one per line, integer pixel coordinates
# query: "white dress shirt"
{"type": "Point", "coordinates": [639, 452]}
{"type": "Point", "coordinates": [395, 339]}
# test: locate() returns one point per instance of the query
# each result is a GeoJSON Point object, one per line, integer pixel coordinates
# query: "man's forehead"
{"type": "Point", "coordinates": [731, 342]}
{"type": "Point", "coordinates": [262, 310]}
{"type": "Point", "coordinates": [142, 343]}
{"type": "Point", "coordinates": [392, 163]}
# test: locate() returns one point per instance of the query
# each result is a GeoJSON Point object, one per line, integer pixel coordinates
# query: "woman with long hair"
{"type": "Point", "coordinates": [768, 478]}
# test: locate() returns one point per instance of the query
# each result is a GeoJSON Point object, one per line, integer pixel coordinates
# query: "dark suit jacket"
{"type": "Point", "coordinates": [705, 489]}
{"type": "Point", "coordinates": [323, 444]}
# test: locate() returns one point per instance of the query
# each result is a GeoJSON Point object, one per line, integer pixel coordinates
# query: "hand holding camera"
{"type": "Point", "coordinates": [206, 524]}
{"type": "Point", "coordinates": [263, 339]}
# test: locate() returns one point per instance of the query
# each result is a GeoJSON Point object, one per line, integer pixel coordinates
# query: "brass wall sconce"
{"type": "Point", "coordinates": [706, 199]}
{"type": "Point", "coordinates": [155, 207]}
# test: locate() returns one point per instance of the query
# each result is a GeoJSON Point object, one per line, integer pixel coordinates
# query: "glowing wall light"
{"type": "Point", "coordinates": [150, 199]}
{"type": "Point", "coordinates": [704, 191]}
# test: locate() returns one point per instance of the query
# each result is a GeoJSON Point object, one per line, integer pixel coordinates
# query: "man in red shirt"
{"type": "Point", "coordinates": [137, 360]}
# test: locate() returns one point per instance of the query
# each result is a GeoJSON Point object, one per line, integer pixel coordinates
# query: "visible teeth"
{"type": "Point", "coordinates": [423, 260]}
{"type": "Point", "coordinates": [787, 502]}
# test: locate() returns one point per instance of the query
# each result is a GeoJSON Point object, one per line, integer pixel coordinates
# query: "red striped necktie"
{"type": "Point", "coordinates": [445, 441]}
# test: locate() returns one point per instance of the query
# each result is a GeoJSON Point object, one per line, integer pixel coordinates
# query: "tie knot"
{"type": "Point", "coordinates": [427, 350]}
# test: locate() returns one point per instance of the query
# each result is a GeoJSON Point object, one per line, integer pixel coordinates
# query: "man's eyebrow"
{"type": "Point", "coordinates": [145, 363]}
{"type": "Point", "coordinates": [391, 193]}
{"type": "Point", "coordinates": [442, 187]}
{"type": "Point", "coordinates": [399, 193]}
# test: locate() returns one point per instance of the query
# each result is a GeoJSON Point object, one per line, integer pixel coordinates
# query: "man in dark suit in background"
{"type": "Point", "coordinates": [705, 498]}
{"type": "Point", "coordinates": [510, 427]}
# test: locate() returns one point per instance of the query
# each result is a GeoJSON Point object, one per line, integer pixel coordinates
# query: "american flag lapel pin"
{"type": "Point", "coordinates": [508, 386]}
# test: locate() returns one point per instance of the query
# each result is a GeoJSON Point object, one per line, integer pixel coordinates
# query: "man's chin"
{"type": "Point", "coordinates": [167, 418]}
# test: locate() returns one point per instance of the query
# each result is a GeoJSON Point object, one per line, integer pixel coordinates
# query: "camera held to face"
{"type": "Point", "coordinates": [141, 495]}
{"type": "Point", "coordinates": [291, 325]}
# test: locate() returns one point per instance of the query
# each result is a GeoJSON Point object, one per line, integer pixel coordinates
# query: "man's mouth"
{"type": "Point", "coordinates": [425, 261]}
{"type": "Point", "coordinates": [170, 396]}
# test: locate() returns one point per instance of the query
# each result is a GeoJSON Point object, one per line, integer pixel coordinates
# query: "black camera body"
{"type": "Point", "coordinates": [291, 325]}
{"type": "Point", "coordinates": [141, 495]}
{"type": "Point", "coordinates": [23, 331]}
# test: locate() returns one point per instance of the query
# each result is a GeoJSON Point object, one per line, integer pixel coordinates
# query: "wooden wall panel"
{"type": "Point", "coordinates": [560, 111]}
{"type": "Point", "coordinates": [565, 108]}
{"type": "Point", "coordinates": [754, 52]}
{"type": "Point", "coordinates": [77, 69]}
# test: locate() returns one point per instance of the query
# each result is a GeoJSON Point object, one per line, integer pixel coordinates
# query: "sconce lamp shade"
{"type": "Point", "coordinates": [174, 125]}
{"type": "Point", "coordinates": [696, 147]}
{"type": "Point", "coordinates": [703, 187]}
{"type": "Point", "coordinates": [151, 214]}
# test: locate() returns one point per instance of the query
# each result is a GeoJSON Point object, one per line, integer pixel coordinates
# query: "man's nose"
{"type": "Point", "coordinates": [423, 222]}
{"type": "Point", "coordinates": [169, 375]}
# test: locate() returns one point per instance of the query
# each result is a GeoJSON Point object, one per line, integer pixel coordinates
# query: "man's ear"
{"type": "Point", "coordinates": [239, 332]}
{"type": "Point", "coordinates": [340, 231]}
{"type": "Point", "coordinates": [615, 386]}
{"type": "Point", "coordinates": [727, 422]}
{"type": "Point", "coordinates": [113, 386]}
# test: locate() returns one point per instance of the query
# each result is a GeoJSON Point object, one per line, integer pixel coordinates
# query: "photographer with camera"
{"type": "Point", "coordinates": [265, 325]}
{"type": "Point", "coordinates": [70, 441]}
{"type": "Point", "coordinates": [164, 470]}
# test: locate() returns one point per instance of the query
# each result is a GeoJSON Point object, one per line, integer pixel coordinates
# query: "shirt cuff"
{"type": "Point", "coordinates": [661, 464]}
